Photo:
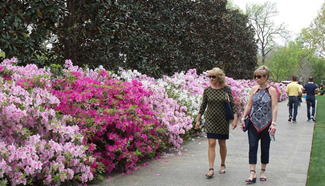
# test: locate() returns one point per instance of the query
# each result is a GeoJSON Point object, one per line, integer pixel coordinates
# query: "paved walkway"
{"type": "Point", "coordinates": [289, 160]}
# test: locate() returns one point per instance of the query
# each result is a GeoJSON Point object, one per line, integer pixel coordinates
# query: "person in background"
{"type": "Point", "coordinates": [262, 109]}
{"type": "Point", "coordinates": [293, 90]}
{"type": "Point", "coordinates": [216, 124]}
{"type": "Point", "coordinates": [300, 96]}
{"type": "Point", "coordinates": [321, 90]}
{"type": "Point", "coordinates": [311, 89]}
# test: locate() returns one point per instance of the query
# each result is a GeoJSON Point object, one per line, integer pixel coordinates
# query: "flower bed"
{"type": "Point", "coordinates": [69, 125]}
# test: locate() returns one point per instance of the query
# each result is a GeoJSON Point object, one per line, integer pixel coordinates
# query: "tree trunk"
{"type": "Point", "coordinates": [68, 26]}
{"type": "Point", "coordinates": [263, 56]}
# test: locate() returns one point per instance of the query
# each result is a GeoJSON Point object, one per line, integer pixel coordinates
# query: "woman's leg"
{"type": "Point", "coordinates": [223, 151]}
{"type": "Point", "coordinates": [265, 152]}
{"type": "Point", "coordinates": [223, 155]}
{"type": "Point", "coordinates": [252, 175]}
{"type": "Point", "coordinates": [265, 146]}
{"type": "Point", "coordinates": [253, 145]}
{"type": "Point", "coordinates": [262, 175]}
{"type": "Point", "coordinates": [211, 153]}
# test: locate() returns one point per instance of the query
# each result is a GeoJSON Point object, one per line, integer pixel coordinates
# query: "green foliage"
{"type": "Point", "coordinates": [318, 70]}
{"type": "Point", "coordinates": [317, 164]}
{"type": "Point", "coordinates": [158, 37]}
{"type": "Point", "coordinates": [56, 70]}
{"type": "Point", "coordinates": [294, 59]}
{"type": "Point", "coordinates": [2, 54]}
{"type": "Point", "coordinates": [313, 39]}
{"type": "Point", "coordinates": [25, 25]}
{"type": "Point", "coordinates": [314, 34]}
{"type": "Point", "coordinates": [282, 63]}
{"type": "Point", "coordinates": [202, 37]}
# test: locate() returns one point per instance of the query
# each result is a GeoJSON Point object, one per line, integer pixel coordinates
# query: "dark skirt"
{"type": "Point", "coordinates": [218, 136]}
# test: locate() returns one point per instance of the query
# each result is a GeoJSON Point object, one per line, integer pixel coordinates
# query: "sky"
{"type": "Point", "coordinates": [296, 14]}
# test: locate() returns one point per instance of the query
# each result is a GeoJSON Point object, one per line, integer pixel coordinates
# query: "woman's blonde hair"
{"type": "Point", "coordinates": [263, 70]}
{"type": "Point", "coordinates": [221, 77]}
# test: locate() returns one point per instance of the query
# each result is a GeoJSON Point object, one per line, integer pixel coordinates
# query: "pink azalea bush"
{"type": "Point", "coordinates": [279, 87]}
{"type": "Point", "coordinates": [37, 146]}
{"type": "Point", "coordinates": [170, 112]}
{"type": "Point", "coordinates": [72, 126]}
{"type": "Point", "coordinates": [5, 68]}
{"type": "Point", "coordinates": [120, 128]}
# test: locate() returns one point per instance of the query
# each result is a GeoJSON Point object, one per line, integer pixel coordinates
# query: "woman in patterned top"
{"type": "Point", "coordinates": [262, 110]}
{"type": "Point", "coordinates": [216, 125]}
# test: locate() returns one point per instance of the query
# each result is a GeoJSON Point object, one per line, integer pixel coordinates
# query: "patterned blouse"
{"type": "Point", "coordinates": [215, 116]}
{"type": "Point", "coordinates": [261, 112]}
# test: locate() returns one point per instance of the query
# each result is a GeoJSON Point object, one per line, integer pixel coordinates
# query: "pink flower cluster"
{"type": "Point", "coordinates": [37, 145]}
{"type": "Point", "coordinates": [5, 68]}
{"type": "Point", "coordinates": [118, 124]}
{"type": "Point", "coordinates": [279, 87]}
{"type": "Point", "coordinates": [170, 111]}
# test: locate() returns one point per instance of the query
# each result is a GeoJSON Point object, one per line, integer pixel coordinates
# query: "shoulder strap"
{"type": "Point", "coordinates": [267, 89]}
{"type": "Point", "coordinates": [226, 93]}
{"type": "Point", "coordinates": [225, 89]}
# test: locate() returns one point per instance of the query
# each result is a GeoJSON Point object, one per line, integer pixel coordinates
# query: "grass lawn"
{"type": "Point", "coordinates": [317, 164]}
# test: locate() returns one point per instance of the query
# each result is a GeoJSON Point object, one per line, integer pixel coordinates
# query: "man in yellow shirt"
{"type": "Point", "coordinates": [293, 90]}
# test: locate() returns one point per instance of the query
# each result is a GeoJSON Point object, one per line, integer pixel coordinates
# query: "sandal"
{"type": "Point", "coordinates": [210, 175]}
{"type": "Point", "coordinates": [263, 178]}
{"type": "Point", "coordinates": [222, 171]}
{"type": "Point", "coordinates": [253, 180]}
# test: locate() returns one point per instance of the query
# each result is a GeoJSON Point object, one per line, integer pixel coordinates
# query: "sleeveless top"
{"type": "Point", "coordinates": [215, 114]}
{"type": "Point", "coordinates": [261, 112]}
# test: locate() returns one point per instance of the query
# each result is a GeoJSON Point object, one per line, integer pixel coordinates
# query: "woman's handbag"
{"type": "Point", "coordinates": [229, 113]}
{"type": "Point", "coordinates": [247, 124]}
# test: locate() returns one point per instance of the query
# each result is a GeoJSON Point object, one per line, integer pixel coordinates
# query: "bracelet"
{"type": "Point", "coordinates": [273, 123]}
{"type": "Point", "coordinates": [243, 118]}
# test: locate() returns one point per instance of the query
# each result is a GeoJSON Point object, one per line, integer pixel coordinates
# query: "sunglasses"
{"type": "Point", "coordinates": [258, 77]}
{"type": "Point", "coordinates": [213, 77]}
